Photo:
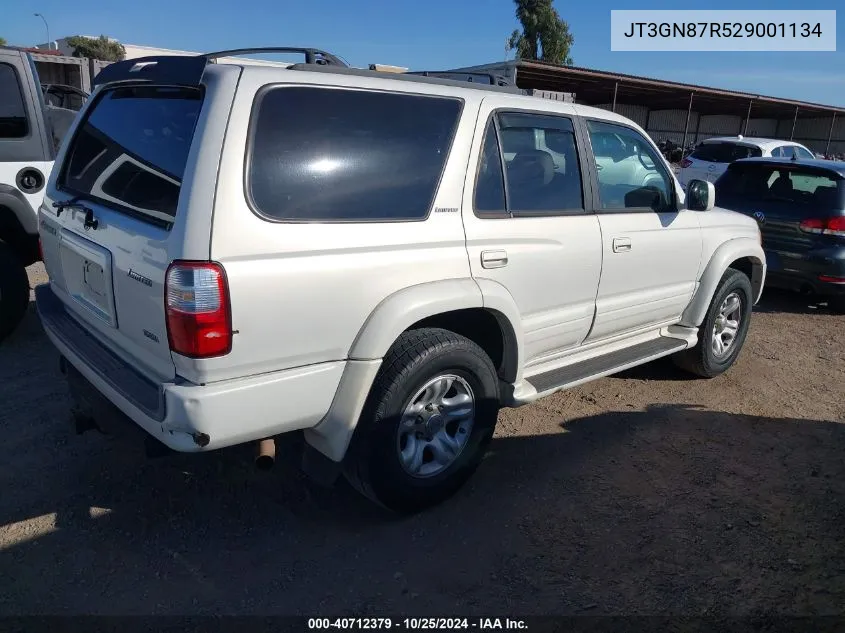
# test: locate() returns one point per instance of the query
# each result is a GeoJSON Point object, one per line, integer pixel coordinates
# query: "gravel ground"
{"type": "Point", "coordinates": [642, 493]}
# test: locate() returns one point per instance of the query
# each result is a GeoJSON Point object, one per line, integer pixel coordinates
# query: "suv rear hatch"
{"type": "Point", "coordinates": [108, 244]}
{"type": "Point", "coordinates": [799, 207]}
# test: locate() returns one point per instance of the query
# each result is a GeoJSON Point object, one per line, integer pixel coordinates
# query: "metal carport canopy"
{"type": "Point", "coordinates": [594, 87]}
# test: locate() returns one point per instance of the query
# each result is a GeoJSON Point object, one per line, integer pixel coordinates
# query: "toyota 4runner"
{"type": "Point", "coordinates": [380, 261]}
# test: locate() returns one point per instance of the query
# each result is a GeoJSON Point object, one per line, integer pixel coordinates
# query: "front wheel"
{"type": "Point", "coordinates": [14, 291]}
{"type": "Point", "coordinates": [723, 332]}
{"type": "Point", "coordinates": [428, 420]}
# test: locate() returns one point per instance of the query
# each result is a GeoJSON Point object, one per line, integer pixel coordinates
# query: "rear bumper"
{"type": "Point", "coordinates": [808, 271]}
{"type": "Point", "coordinates": [184, 416]}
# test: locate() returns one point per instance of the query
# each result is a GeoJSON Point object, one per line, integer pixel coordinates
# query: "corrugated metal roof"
{"type": "Point", "coordinates": [635, 79]}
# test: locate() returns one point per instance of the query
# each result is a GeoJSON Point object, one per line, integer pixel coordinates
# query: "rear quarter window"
{"type": "Point", "coordinates": [13, 122]}
{"type": "Point", "coordinates": [323, 154]}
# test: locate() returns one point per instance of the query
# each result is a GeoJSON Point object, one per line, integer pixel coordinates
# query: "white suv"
{"type": "Point", "coordinates": [239, 252]}
{"type": "Point", "coordinates": [711, 158]}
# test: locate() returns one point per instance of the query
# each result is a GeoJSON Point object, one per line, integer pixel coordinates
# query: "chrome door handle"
{"type": "Point", "coordinates": [494, 259]}
{"type": "Point", "coordinates": [621, 244]}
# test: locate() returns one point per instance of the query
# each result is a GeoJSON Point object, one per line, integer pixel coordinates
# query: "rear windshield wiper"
{"type": "Point", "coordinates": [73, 203]}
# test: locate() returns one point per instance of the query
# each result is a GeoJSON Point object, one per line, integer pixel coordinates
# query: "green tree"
{"type": "Point", "coordinates": [97, 48]}
{"type": "Point", "coordinates": [545, 36]}
{"type": "Point", "coordinates": [2, 41]}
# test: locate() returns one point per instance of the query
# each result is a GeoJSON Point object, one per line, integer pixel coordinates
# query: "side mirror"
{"type": "Point", "coordinates": [701, 195]}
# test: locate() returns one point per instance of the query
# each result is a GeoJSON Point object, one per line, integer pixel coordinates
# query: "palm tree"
{"type": "Point", "coordinates": [545, 36]}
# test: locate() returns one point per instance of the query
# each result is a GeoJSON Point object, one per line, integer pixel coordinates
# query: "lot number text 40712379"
{"type": "Point", "coordinates": [413, 624]}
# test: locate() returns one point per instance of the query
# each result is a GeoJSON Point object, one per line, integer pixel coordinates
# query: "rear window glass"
{"type": "Point", "coordinates": [725, 152]}
{"type": "Point", "coordinates": [774, 182]}
{"type": "Point", "coordinates": [325, 154]}
{"type": "Point", "coordinates": [13, 122]}
{"type": "Point", "coordinates": [131, 151]}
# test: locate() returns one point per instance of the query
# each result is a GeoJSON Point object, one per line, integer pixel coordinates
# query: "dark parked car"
{"type": "Point", "coordinates": [800, 207]}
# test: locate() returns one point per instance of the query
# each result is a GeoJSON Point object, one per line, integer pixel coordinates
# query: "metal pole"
{"type": "Point", "coordinates": [615, 90]}
{"type": "Point", "coordinates": [747, 118]}
{"type": "Point", "coordinates": [794, 121]}
{"type": "Point", "coordinates": [686, 125]}
{"type": "Point", "coordinates": [46, 26]}
{"type": "Point", "coordinates": [830, 134]}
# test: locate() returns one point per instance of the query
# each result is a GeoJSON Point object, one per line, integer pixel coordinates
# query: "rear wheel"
{"type": "Point", "coordinates": [14, 291]}
{"type": "Point", "coordinates": [427, 422]}
{"type": "Point", "coordinates": [723, 332]}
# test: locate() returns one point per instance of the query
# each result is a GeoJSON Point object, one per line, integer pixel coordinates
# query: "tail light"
{"type": "Point", "coordinates": [832, 280]}
{"type": "Point", "coordinates": [829, 226]}
{"type": "Point", "coordinates": [199, 320]}
{"type": "Point", "coordinates": [685, 163]}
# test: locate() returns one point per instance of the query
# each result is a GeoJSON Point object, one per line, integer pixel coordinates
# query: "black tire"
{"type": "Point", "coordinates": [14, 291]}
{"type": "Point", "coordinates": [372, 464]}
{"type": "Point", "coordinates": [701, 359]}
{"type": "Point", "coordinates": [836, 304]}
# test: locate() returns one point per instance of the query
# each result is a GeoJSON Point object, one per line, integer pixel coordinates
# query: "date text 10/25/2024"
{"type": "Point", "coordinates": [413, 624]}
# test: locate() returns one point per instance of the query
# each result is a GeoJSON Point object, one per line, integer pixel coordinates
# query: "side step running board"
{"type": "Point", "coordinates": [605, 364]}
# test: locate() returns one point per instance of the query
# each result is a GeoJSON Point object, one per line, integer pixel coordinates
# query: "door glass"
{"type": "Point", "coordinates": [489, 185]}
{"type": "Point", "coordinates": [541, 163]}
{"type": "Point", "coordinates": [630, 173]}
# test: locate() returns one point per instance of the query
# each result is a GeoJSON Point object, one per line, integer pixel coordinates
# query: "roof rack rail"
{"type": "Point", "coordinates": [187, 70]}
{"type": "Point", "coordinates": [490, 79]}
{"type": "Point", "coordinates": [312, 55]}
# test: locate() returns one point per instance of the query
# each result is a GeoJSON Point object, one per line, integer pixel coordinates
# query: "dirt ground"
{"type": "Point", "coordinates": [642, 493]}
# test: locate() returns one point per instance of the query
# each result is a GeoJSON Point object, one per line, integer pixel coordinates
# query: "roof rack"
{"type": "Point", "coordinates": [489, 78]}
{"type": "Point", "coordinates": [312, 55]}
{"type": "Point", "coordinates": [187, 70]}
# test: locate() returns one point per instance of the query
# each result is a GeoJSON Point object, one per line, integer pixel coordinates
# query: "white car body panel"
{"type": "Point", "coordinates": [316, 305]}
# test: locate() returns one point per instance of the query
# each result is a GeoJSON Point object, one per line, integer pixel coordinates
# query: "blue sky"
{"type": "Point", "coordinates": [431, 34]}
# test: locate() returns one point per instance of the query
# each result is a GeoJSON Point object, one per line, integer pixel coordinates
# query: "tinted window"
{"type": "Point", "coordinates": [543, 175]}
{"type": "Point", "coordinates": [323, 154]}
{"type": "Point", "coordinates": [132, 149]}
{"type": "Point", "coordinates": [630, 172]}
{"type": "Point", "coordinates": [774, 182]}
{"type": "Point", "coordinates": [489, 187]}
{"type": "Point", "coordinates": [725, 152]}
{"type": "Point", "coordinates": [13, 122]}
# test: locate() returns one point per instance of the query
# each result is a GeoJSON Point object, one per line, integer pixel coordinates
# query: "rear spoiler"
{"type": "Point", "coordinates": [187, 70]}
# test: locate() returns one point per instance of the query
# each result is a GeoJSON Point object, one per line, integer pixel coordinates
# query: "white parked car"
{"type": "Point", "coordinates": [379, 261]}
{"type": "Point", "coordinates": [712, 156]}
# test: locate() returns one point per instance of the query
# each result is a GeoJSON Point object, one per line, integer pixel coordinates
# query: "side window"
{"type": "Point", "coordinates": [325, 154]}
{"type": "Point", "coordinates": [784, 151]}
{"type": "Point", "coordinates": [490, 183]}
{"type": "Point", "coordinates": [803, 153]}
{"type": "Point", "coordinates": [543, 177]}
{"type": "Point", "coordinates": [13, 123]}
{"type": "Point", "coordinates": [632, 175]}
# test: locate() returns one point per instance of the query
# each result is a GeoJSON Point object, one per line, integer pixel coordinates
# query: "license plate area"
{"type": "Point", "coordinates": [87, 269]}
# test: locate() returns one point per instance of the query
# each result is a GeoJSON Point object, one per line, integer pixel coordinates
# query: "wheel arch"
{"type": "Point", "coordinates": [478, 311]}
{"type": "Point", "coordinates": [18, 224]}
{"type": "Point", "coordinates": [743, 254]}
{"type": "Point", "coordinates": [459, 305]}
